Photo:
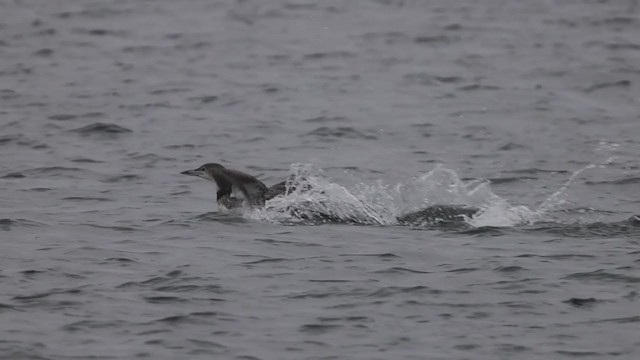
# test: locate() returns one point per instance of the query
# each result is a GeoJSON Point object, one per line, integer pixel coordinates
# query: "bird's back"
{"type": "Point", "coordinates": [251, 188]}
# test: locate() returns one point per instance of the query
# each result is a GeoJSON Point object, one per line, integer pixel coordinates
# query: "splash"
{"type": "Point", "coordinates": [498, 212]}
{"type": "Point", "coordinates": [557, 199]}
{"type": "Point", "coordinates": [313, 198]}
{"type": "Point", "coordinates": [441, 186]}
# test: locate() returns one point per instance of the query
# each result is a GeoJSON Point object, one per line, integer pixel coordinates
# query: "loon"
{"type": "Point", "coordinates": [256, 193]}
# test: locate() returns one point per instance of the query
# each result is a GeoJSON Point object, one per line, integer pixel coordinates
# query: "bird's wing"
{"type": "Point", "coordinates": [225, 187]}
{"type": "Point", "coordinates": [252, 189]}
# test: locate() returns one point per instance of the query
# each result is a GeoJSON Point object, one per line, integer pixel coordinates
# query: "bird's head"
{"type": "Point", "coordinates": [206, 171]}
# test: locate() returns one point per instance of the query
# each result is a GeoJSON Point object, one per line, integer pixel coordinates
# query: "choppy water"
{"type": "Point", "coordinates": [528, 110]}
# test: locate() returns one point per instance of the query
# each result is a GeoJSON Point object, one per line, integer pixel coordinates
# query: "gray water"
{"type": "Point", "coordinates": [526, 109]}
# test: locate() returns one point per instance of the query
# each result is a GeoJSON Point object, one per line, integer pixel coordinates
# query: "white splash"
{"type": "Point", "coordinates": [441, 186]}
{"type": "Point", "coordinates": [311, 194]}
{"type": "Point", "coordinates": [498, 212]}
{"type": "Point", "coordinates": [313, 197]}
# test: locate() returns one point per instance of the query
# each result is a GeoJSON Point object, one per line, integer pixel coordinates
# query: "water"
{"type": "Point", "coordinates": [527, 110]}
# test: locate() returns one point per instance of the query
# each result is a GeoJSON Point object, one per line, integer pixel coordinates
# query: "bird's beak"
{"type": "Point", "coordinates": [190, 172]}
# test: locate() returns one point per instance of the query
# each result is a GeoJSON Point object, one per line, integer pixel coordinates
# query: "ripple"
{"type": "Point", "coordinates": [536, 171]}
{"type": "Point", "coordinates": [634, 180]}
{"type": "Point", "coordinates": [326, 119]}
{"type": "Point", "coordinates": [578, 353]}
{"type": "Point", "coordinates": [395, 290]}
{"type": "Point", "coordinates": [164, 299]}
{"type": "Point", "coordinates": [53, 171]}
{"type": "Point", "coordinates": [147, 106]}
{"type": "Point", "coordinates": [206, 343]}
{"type": "Point", "coordinates": [434, 40]}
{"type": "Point", "coordinates": [559, 256]}
{"type": "Point", "coordinates": [626, 228]}
{"type": "Point", "coordinates": [168, 91]}
{"type": "Point", "coordinates": [179, 146]}
{"type": "Point", "coordinates": [248, 357]}
{"type": "Point", "coordinates": [7, 307]}
{"type": "Point", "coordinates": [65, 117]}
{"type": "Point", "coordinates": [508, 180]}
{"type": "Point", "coordinates": [401, 270]}
{"type": "Point", "coordinates": [582, 302]}
{"type": "Point", "coordinates": [93, 13]}
{"type": "Point", "coordinates": [601, 275]}
{"type": "Point", "coordinates": [285, 242]}
{"type": "Point", "coordinates": [173, 282]}
{"type": "Point", "coordinates": [83, 325]}
{"type": "Point", "coordinates": [477, 87]}
{"type": "Point", "coordinates": [142, 49]}
{"type": "Point", "coordinates": [86, 160]}
{"type": "Point", "coordinates": [386, 37]}
{"type": "Point", "coordinates": [201, 317]}
{"type": "Point", "coordinates": [13, 175]}
{"type": "Point", "coordinates": [463, 270]}
{"type": "Point", "coordinates": [7, 224]}
{"type": "Point", "coordinates": [329, 294]}
{"type": "Point", "coordinates": [340, 133]}
{"type": "Point", "coordinates": [269, 260]}
{"type": "Point", "coordinates": [17, 139]}
{"type": "Point", "coordinates": [608, 85]}
{"type": "Point", "coordinates": [317, 329]}
{"type": "Point", "coordinates": [32, 272]}
{"type": "Point", "coordinates": [512, 348]}
{"type": "Point", "coordinates": [119, 260]}
{"type": "Point", "coordinates": [41, 295]}
{"type": "Point", "coordinates": [329, 55]}
{"type": "Point", "coordinates": [83, 198]}
{"type": "Point", "coordinates": [510, 269]}
{"type": "Point", "coordinates": [8, 94]}
{"type": "Point", "coordinates": [113, 227]}
{"type": "Point", "coordinates": [511, 146]}
{"type": "Point", "coordinates": [466, 347]}
{"type": "Point", "coordinates": [101, 32]}
{"type": "Point", "coordinates": [622, 46]}
{"type": "Point", "coordinates": [102, 129]}
{"type": "Point", "coordinates": [484, 230]}
{"type": "Point", "coordinates": [622, 320]}
{"type": "Point", "coordinates": [44, 53]}
{"type": "Point", "coordinates": [122, 178]}
{"type": "Point", "coordinates": [205, 99]}
{"type": "Point", "coordinates": [380, 255]}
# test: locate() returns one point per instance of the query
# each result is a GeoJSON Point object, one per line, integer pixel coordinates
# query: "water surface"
{"type": "Point", "coordinates": [526, 109]}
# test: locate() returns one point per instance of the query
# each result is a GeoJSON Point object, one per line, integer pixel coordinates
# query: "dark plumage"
{"type": "Point", "coordinates": [254, 191]}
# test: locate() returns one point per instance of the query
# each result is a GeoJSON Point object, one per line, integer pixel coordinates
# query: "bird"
{"type": "Point", "coordinates": [228, 181]}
